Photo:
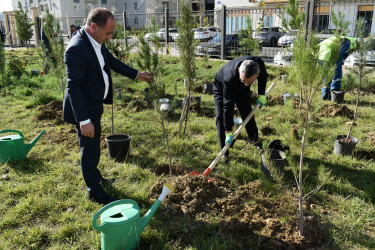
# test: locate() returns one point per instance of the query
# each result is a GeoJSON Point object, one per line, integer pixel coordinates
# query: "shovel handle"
{"type": "Point", "coordinates": [238, 131]}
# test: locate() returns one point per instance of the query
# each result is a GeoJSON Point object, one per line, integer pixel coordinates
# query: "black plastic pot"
{"type": "Point", "coordinates": [278, 145]}
{"type": "Point", "coordinates": [345, 148]}
{"type": "Point", "coordinates": [337, 96]}
{"type": "Point", "coordinates": [118, 146]}
{"type": "Point", "coordinates": [276, 160]}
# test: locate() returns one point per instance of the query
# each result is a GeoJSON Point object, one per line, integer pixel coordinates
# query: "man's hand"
{"type": "Point", "coordinates": [262, 100]}
{"type": "Point", "coordinates": [88, 130]}
{"type": "Point", "coordinates": [146, 77]}
{"type": "Point", "coordinates": [228, 138]}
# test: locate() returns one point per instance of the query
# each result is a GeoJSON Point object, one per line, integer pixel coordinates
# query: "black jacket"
{"type": "Point", "coordinates": [85, 83]}
{"type": "Point", "coordinates": [229, 86]}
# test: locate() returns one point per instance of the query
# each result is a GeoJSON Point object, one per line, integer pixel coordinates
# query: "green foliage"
{"type": "Point", "coordinates": [41, 98]}
{"type": "Point", "coordinates": [118, 45]}
{"type": "Point", "coordinates": [2, 66]}
{"type": "Point", "coordinates": [24, 27]}
{"type": "Point", "coordinates": [247, 42]}
{"type": "Point", "coordinates": [297, 17]}
{"type": "Point", "coordinates": [340, 23]}
{"type": "Point", "coordinates": [186, 43]}
{"type": "Point", "coordinates": [55, 56]}
{"type": "Point", "coordinates": [16, 66]}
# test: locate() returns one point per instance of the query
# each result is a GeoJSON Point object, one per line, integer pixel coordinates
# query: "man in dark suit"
{"type": "Point", "coordinates": [89, 86]}
{"type": "Point", "coordinates": [232, 86]}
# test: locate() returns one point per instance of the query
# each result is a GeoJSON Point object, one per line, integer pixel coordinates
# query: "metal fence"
{"type": "Point", "coordinates": [226, 24]}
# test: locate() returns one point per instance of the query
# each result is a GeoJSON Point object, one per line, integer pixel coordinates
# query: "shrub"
{"type": "Point", "coordinates": [16, 66]}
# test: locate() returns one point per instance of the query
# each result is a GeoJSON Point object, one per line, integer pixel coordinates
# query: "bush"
{"type": "Point", "coordinates": [24, 81]}
{"type": "Point", "coordinates": [17, 66]}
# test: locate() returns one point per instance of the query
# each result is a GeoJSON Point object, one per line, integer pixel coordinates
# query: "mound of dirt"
{"type": "Point", "coordinates": [246, 212]}
{"type": "Point", "coordinates": [277, 100]}
{"type": "Point", "coordinates": [337, 110]}
{"type": "Point", "coordinates": [66, 136]}
{"type": "Point", "coordinates": [51, 111]}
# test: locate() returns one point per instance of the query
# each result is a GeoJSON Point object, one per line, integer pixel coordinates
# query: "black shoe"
{"type": "Point", "coordinates": [106, 182]}
{"type": "Point", "coordinates": [101, 197]}
{"type": "Point", "coordinates": [259, 146]}
{"type": "Point", "coordinates": [225, 159]}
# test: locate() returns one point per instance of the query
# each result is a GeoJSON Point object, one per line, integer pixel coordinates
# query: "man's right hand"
{"type": "Point", "coordinates": [88, 130]}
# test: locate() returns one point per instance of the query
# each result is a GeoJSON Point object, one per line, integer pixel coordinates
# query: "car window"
{"type": "Point", "coordinates": [264, 29]}
{"type": "Point", "coordinates": [216, 39]}
{"type": "Point", "coordinates": [199, 29]}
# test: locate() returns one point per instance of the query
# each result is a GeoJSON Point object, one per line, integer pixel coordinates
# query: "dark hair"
{"type": "Point", "coordinates": [72, 26]}
{"type": "Point", "coordinates": [99, 16]}
{"type": "Point", "coordinates": [249, 68]}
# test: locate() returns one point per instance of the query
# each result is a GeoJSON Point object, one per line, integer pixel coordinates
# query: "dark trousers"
{"type": "Point", "coordinates": [90, 156]}
{"type": "Point", "coordinates": [243, 104]}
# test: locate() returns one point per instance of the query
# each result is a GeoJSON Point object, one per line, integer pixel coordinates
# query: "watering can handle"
{"type": "Point", "coordinates": [112, 204]}
{"type": "Point", "coordinates": [11, 131]}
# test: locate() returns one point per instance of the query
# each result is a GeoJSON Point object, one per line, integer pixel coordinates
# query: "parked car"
{"type": "Point", "coordinates": [161, 34]}
{"type": "Point", "coordinates": [206, 34]}
{"type": "Point", "coordinates": [287, 39]}
{"type": "Point", "coordinates": [213, 47]}
{"type": "Point", "coordinates": [352, 59]}
{"type": "Point", "coordinates": [269, 35]}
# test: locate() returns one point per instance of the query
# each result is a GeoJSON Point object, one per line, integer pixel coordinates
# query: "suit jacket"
{"type": "Point", "coordinates": [229, 86]}
{"type": "Point", "coordinates": [85, 83]}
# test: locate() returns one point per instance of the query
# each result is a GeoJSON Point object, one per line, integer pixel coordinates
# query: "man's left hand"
{"type": "Point", "coordinates": [146, 77]}
{"type": "Point", "coordinates": [262, 100]}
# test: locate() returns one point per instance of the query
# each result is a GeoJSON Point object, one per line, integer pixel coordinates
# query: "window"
{"type": "Point", "coordinates": [41, 8]}
{"type": "Point", "coordinates": [366, 12]}
{"type": "Point", "coordinates": [125, 6]}
{"type": "Point", "coordinates": [136, 20]}
{"type": "Point", "coordinates": [75, 1]}
{"type": "Point", "coordinates": [104, 1]}
{"type": "Point", "coordinates": [135, 6]}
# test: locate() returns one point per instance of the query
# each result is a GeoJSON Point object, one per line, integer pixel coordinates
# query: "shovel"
{"type": "Point", "coordinates": [238, 131]}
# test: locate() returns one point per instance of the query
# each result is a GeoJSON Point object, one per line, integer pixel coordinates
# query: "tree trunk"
{"type": "Point", "coordinates": [300, 195]}
{"type": "Point", "coordinates": [356, 109]}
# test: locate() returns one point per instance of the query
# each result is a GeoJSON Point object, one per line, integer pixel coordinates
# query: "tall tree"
{"type": "Point", "coordinates": [24, 27]}
{"type": "Point", "coordinates": [186, 46]}
{"type": "Point", "coordinates": [2, 65]}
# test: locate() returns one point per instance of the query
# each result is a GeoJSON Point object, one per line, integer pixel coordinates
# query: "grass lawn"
{"type": "Point", "coordinates": [44, 202]}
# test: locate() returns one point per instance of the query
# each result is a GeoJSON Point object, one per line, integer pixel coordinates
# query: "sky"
{"type": "Point", "coordinates": [5, 5]}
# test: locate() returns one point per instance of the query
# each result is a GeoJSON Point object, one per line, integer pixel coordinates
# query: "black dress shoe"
{"type": "Point", "coordinates": [106, 182]}
{"type": "Point", "coordinates": [101, 197]}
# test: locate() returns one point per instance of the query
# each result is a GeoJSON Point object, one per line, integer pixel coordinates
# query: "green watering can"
{"type": "Point", "coordinates": [121, 225]}
{"type": "Point", "coordinates": [13, 147]}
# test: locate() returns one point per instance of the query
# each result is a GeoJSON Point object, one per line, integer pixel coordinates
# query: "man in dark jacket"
{"type": "Point", "coordinates": [89, 85]}
{"type": "Point", "coordinates": [232, 86]}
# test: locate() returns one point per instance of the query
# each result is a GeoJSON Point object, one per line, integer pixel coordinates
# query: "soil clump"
{"type": "Point", "coordinates": [337, 110]}
{"type": "Point", "coordinates": [247, 217]}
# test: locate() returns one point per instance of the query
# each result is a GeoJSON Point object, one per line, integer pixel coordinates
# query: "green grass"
{"type": "Point", "coordinates": [44, 202]}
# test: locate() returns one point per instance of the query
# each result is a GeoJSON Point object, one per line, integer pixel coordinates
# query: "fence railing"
{"type": "Point", "coordinates": [226, 24]}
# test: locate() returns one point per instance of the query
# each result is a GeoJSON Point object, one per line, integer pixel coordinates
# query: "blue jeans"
{"type": "Point", "coordinates": [337, 77]}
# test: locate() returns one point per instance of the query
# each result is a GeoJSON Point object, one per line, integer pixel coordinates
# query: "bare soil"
{"type": "Point", "coordinates": [337, 110]}
{"type": "Point", "coordinates": [248, 216]}
{"type": "Point", "coordinates": [51, 111]}
{"type": "Point", "coordinates": [277, 100]}
{"type": "Point", "coordinates": [267, 131]}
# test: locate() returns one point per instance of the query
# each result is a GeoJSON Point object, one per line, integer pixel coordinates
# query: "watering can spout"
{"type": "Point", "coordinates": [31, 145]}
{"type": "Point", "coordinates": [167, 189]}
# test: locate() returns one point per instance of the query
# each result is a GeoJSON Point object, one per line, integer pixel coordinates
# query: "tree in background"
{"type": "Point", "coordinates": [118, 45]}
{"type": "Point", "coordinates": [186, 46]}
{"type": "Point", "coordinates": [297, 17]}
{"type": "Point", "coordinates": [361, 71]}
{"type": "Point", "coordinates": [247, 42]}
{"type": "Point", "coordinates": [2, 66]}
{"type": "Point", "coordinates": [24, 27]}
{"type": "Point", "coordinates": [55, 53]}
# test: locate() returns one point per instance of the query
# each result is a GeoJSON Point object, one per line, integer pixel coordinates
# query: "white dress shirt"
{"type": "Point", "coordinates": [97, 47]}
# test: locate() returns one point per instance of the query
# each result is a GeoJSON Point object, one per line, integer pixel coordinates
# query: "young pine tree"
{"type": "Point", "coordinates": [24, 27]}
{"type": "Point", "coordinates": [186, 46]}
{"type": "Point", "coordinates": [2, 66]}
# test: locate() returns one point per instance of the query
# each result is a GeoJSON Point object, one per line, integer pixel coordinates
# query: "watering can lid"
{"type": "Point", "coordinates": [122, 213]}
